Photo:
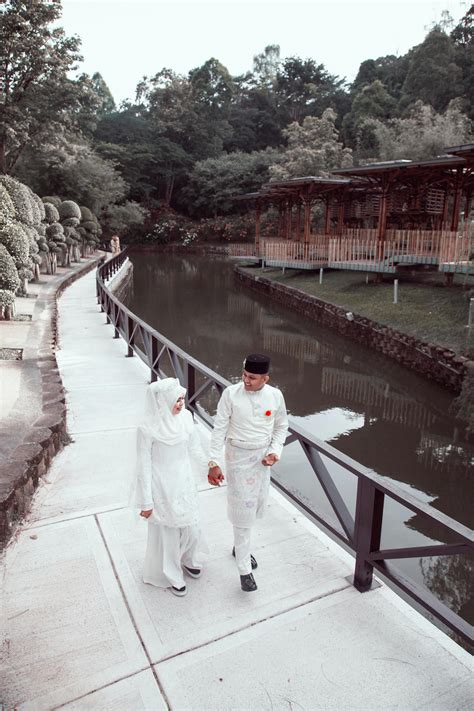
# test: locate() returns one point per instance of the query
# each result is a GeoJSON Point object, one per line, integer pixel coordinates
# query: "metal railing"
{"type": "Point", "coordinates": [361, 532]}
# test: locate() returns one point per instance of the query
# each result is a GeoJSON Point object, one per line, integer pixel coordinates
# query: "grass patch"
{"type": "Point", "coordinates": [426, 308]}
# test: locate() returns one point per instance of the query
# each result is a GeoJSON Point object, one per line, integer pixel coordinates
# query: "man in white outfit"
{"type": "Point", "coordinates": [252, 424]}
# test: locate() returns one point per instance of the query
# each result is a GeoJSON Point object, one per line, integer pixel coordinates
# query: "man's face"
{"type": "Point", "coordinates": [253, 382]}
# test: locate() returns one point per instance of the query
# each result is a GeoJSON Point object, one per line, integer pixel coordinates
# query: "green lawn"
{"type": "Point", "coordinates": [426, 308]}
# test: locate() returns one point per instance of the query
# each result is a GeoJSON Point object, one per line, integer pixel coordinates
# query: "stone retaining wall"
{"type": "Point", "coordinates": [46, 436]}
{"type": "Point", "coordinates": [432, 361]}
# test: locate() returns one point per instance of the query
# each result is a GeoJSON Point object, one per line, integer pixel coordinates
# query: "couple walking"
{"type": "Point", "coordinates": [250, 427]}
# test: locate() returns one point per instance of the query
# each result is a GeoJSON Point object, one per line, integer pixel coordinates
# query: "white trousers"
{"type": "Point", "coordinates": [167, 550]}
{"type": "Point", "coordinates": [242, 549]}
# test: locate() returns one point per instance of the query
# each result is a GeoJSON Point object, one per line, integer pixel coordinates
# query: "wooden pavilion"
{"type": "Point", "coordinates": [378, 218]}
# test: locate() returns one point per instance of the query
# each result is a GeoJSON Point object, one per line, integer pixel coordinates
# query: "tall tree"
{"type": "Point", "coordinates": [423, 133]}
{"type": "Point", "coordinates": [433, 76]}
{"type": "Point", "coordinates": [37, 96]}
{"type": "Point", "coordinates": [463, 37]}
{"type": "Point", "coordinates": [313, 148]}
{"type": "Point", "coordinates": [305, 88]}
{"type": "Point", "coordinates": [371, 101]}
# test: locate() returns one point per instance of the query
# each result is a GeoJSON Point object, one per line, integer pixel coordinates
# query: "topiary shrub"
{"type": "Point", "coordinates": [51, 213]}
{"type": "Point", "coordinates": [20, 197]}
{"type": "Point", "coordinates": [14, 238]}
{"type": "Point", "coordinates": [9, 283]}
{"type": "Point", "coordinates": [69, 208]}
{"type": "Point", "coordinates": [52, 200]}
{"type": "Point", "coordinates": [7, 210]}
{"type": "Point", "coordinates": [86, 214]}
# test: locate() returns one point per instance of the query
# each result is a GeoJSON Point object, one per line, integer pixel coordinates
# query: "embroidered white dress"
{"type": "Point", "coordinates": [166, 483]}
{"type": "Point", "coordinates": [250, 425]}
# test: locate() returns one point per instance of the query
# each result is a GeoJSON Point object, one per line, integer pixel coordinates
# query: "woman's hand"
{"type": "Point", "coordinates": [147, 513]}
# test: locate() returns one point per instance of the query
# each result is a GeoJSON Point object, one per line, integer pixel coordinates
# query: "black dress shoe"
{"type": "Point", "coordinates": [247, 583]}
{"type": "Point", "coordinates": [252, 559]}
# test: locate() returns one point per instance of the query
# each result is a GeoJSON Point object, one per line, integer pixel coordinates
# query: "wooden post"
{"type": "Point", "coordinates": [298, 222]}
{"type": "Point", "coordinates": [456, 201]}
{"type": "Point", "coordinates": [289, 213]}
{"type": "Point", "coordinates": [257, 230]}
{"type": "Point", "coordinates": [340, 218]}
{"type": "Point", "coordinates": [327, 219]}
{"type": "Point", "coordinates": [307, 220]}
{"type": "Point", "coordinates": [281, 211]}
{"type": "Point", "coordinates": [467, 206]}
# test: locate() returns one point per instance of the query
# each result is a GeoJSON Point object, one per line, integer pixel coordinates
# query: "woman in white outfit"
{"type": "Point", "coordinates": [166, 491]}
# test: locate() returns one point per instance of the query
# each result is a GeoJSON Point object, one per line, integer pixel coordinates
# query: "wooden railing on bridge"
{"type": "Point", "coordinates": [315, 251]}
{"type": "Point", "coordinates": [361, 533]}
{"type": "Point", "coordinates": [369, 251]}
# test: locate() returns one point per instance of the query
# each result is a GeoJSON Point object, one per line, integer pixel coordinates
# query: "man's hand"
{"type": "Point", "coordinates": [215, 476]}
{"type": "Point", "coordinates": [270, 460]}
{"type": "Point", "coordinates": [147, 513]}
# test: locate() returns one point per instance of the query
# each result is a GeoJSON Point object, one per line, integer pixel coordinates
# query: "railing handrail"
{"type": "Point", "coordinates": [364, 529]}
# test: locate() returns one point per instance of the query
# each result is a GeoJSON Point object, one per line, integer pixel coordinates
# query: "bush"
{"type": "Point", "coordinates": [52, 200]}
{"type": "Point", "coordinates": [51, 213]}
{"type": "Point", "coordinates": [21, 199]}
{"type": "Point", "coordinates": [86, 214]}
{"type": "Point", "coordinates": [68, 209]}
{"type": "Point", "coordinates": [7, 210]}
{"type": "Point", "coordinates": [9, 279]}
{"type": "Point", "coordinates": [13, 237]}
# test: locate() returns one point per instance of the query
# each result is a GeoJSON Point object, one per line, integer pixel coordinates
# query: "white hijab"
{"type": "Point", "coordinates": [159, 422]}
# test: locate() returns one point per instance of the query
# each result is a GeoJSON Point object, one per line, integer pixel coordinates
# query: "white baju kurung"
{"type": "Point", "coordinates": [249, 425]}
{"type": "Point", "coordinates": [166, 484]}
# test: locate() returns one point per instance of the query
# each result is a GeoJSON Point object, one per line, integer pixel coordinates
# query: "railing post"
{"type": "Point", "coordinates": [368, 528]}
{"type": "Point", "coordinates": [190, 381]}
{"type": "Point", "coordinates": [154, 356]}
{"type": "Point", "coordinates": [129, 337]}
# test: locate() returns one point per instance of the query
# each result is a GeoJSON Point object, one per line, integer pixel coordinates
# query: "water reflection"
{"type": "Point", "coordinates": [382, 415]}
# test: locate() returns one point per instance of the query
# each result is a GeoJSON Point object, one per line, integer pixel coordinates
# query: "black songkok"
{"type": "Point", "coordinates": [257, 363]}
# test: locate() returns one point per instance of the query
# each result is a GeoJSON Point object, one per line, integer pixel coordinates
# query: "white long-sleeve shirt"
{"type": "Point", "coordinates": [250, 417]}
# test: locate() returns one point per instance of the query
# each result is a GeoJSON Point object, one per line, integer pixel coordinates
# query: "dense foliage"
{"type": "Point", "coordinates": [191, 142]}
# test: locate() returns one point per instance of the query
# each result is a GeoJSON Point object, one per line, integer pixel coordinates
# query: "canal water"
{"type": "Point", "coordinates": [365, 406]}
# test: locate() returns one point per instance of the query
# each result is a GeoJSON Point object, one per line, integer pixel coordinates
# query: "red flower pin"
{"type": "Point", "coordinates": [268, 413]}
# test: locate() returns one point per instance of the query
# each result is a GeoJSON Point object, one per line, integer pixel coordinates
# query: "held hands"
{"type": "Point", "coordinates": [270, 460]}
{"type": "Point", "coordinates": [147, 513]}
{"type": "Point", "coordinates": [215, 476]}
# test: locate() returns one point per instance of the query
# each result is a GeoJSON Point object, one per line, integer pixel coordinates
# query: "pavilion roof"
{"type": "Point", "coordinates": [465, 151]}
{"type": "Point", "coordinates": [397, 166]}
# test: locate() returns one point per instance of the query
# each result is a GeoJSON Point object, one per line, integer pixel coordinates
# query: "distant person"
{"type": "Point", "coordinates": [166, 491]}
{"type": "Point", "coordinates": [251, 422]}
{"type": "Point", "coordinates": [115, 245]}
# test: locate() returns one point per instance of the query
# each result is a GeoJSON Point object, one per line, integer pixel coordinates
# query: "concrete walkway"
{"type": "Point", "coordinates": [82, 631]}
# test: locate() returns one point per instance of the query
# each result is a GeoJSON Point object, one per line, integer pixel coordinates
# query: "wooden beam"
{"type": "Point", "coordinates": [327, 218]}
{"type": "Point", "coordinates": [298, 222]}
{"type": "Point", "coordinates": [307, 220]}
{"type": "Point", "coordinates": [257, 229]}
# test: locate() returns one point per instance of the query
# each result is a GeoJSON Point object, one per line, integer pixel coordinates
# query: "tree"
{"type": "Point", "coordinates": [371, 101]}
{"type": "Point", "coordinates": [216, 182]}
{"type": "Point", "coordinates": [122, 218]}
{"type": "Point", "coordinates": [422, 134]}
{"type": "Point", "coordinates": [105, 100]}
{"type": "Point", "coordinates": [463, 38]}
{"type": "Point", "coordinates": [71, 168]}
{"type": "Point", "coordinates": [38, 97]}
{"type": "Point", "coordinates": [266, 65]}
{"type": "Point", "coordinates": [433, 76]}
{"type": "Point", "coordinates": [313, 148]}
{"type": "Point", "coordinates": [305, 88]}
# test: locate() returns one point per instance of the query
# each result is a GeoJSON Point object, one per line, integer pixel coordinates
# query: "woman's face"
{"type": "Point", "coordinates": [178, 406]}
